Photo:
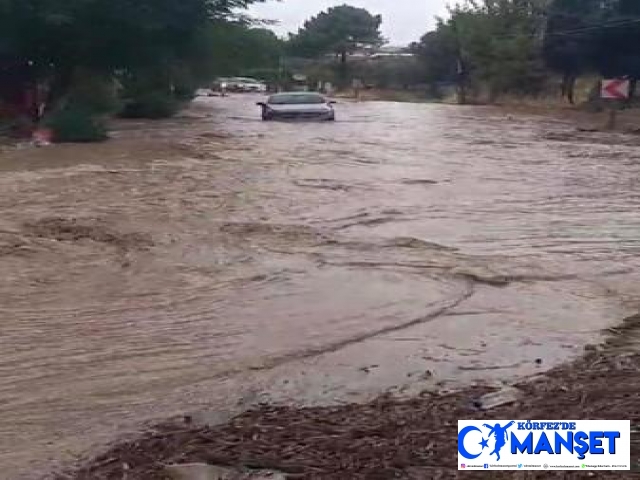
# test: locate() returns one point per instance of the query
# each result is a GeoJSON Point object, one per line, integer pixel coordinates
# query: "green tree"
{"type": "Point", "coordinates": [500, 44]}
{"type": "Point", "coordinates": [593, 36]}
{"type": "Point", "coordinates": [438, 53]}
{"type": "Point", "coordinates": [493, 45]}
{"type": "Point", "coordinates": [569, 40]}
{"type": "Point", "coordinates": [232, 48]}
{"type": "Point", "coordinates": [107, 36]}
{"type": "Point", "coordinates": [340, 30]}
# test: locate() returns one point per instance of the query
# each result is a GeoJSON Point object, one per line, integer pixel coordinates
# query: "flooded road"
{"type": "Point", "coordinates": [215, 261]}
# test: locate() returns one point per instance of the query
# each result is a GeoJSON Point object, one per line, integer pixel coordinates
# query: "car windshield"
{"type": "Point", "coordinates": [296, 99]}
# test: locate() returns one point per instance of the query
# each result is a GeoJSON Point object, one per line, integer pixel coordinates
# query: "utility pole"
{"type": "Point", "coordinates": [281, 72]}
{"type": "Point", "coordinates": [461, 72]}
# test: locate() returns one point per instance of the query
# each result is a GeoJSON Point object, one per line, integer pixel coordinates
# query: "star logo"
{"type": "Point", "coordinates": [484, 443]}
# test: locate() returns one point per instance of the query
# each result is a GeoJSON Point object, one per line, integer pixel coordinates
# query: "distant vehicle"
{"type": "Point", "coordinates": [298, 106]}
{"type": "Point", "coordinates": [241, 85]}
{"type": "Point", "coordinates": [205, 92]}
{"type": "Point", "coordinates": [251, 85]}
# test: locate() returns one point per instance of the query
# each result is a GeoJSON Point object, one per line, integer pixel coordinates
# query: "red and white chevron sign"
{"type": "Point", "coordinates": [615, 89]}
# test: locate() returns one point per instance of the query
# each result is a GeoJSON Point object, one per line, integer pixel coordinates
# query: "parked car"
{"type": "Point", "coordinates": [250, 85]}
{"type": "Point", "coordinates": [297, 105]}
{"type": "Point", "coordinates": [218, 83]}
{"type": "Point", "coordinates": [240, 85]}
{"type": "Point", "coordinates": [205, 92]}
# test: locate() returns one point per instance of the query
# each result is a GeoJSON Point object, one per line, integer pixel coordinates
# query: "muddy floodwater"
{"type": "Point", "coordinates": [214, 261]}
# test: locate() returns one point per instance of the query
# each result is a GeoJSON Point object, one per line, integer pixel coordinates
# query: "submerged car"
{"type": "Point", "coordinates": [297, 106]}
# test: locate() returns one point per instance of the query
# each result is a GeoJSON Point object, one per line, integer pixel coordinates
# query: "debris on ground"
{"type": "Point", "coordinates": [502, 397]}
{"type": "Point", "coordinates": [384, 439]}
{"type": "Point", "coordinates": [202, 471]}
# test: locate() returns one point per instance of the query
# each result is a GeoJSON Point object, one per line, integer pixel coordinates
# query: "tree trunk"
{"type": "Point", "coordinates": [568, 87]}
{"type": "Point", "coordinates": [462, 94]}
{"type": "Point", "coordinates": [572, 89]}
{"type": "Point", "coordinates": [494, 93]}
{"type": "Point", "coordinates": [59, 87]}
{"type": "Point", "coordinates": [461, 84]}
{"type": "Point", "coordinates": [563, 87]}
{"type": "Point", "coordinates": [342, 70]}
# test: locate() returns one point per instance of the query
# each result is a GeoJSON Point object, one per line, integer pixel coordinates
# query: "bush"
{"type": "Point", "coordinates": [151, 105]}
{"type": "Point", "coordinates": [15, 125]}
{"type": "Point", "coordinates": [184, 93]}
{"type": "Point", "coordinates": [95, 92]}
{"type": "Point", "coordinates": [75, 123]}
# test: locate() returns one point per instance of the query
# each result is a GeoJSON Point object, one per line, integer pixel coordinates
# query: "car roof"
{"type": "Point", "coordinates": [296, 93]}
{"type": "Point", "coordinates": [246, 79]}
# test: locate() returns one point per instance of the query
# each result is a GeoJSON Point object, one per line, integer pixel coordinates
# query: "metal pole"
{"type": "Point", "coordinates": [613, 117]}
{"type": "Point", "coordinates": [461, 87]}
{"type": "Point", "coordinates": [281, 72]}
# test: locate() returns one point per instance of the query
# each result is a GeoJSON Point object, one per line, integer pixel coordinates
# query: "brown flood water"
{"type": "Point", "coordinates": [214, 261]}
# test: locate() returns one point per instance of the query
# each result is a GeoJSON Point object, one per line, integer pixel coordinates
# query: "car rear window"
{"type": "Point", "coordinates": [296, 99]}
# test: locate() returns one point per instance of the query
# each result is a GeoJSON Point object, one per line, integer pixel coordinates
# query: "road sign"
{"type": "Point", "coordinates": [615, 89]}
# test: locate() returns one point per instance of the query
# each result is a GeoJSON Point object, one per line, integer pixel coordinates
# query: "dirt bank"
{"type": "Point", "coordinates": [384, 439]}
{"type": "Point", "coordinates": [628, 120]}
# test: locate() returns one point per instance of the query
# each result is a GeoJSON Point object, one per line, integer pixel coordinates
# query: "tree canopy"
{"type": "Point", "coordinates": [58, 36]}
{"type": "Point", "coordinates": [512, 45]}
{"type": "Point", "coordinates": [592, 35]}
{"type": "Point", "coordinates": [235, 48]}
{"type": "Point", "coordinates": [491, 43]}
{"type": "Point", "coordinates": [339, 30]}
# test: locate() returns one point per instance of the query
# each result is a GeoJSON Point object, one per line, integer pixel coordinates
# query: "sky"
{"type": "Point", "coordinates": [404, 21]}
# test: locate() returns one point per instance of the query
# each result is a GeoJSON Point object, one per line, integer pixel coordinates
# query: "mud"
{"type": "Point", "coordinates": [213, 262]}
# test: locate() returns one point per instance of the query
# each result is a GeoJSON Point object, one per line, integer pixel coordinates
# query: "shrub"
{"type": "Point", "coordinates": [95, 92]}
{"type": "Point", "coordinates": [75, 123]}
{"type": "Point", "coordinates": [15, 125]}
{"type": "Point", "coordinates": [151, 105]}
{"type": "Point", "coordinates": [184, 93]}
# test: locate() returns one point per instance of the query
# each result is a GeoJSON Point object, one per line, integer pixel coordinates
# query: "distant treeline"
{"type": "Point", "coordinates": [484, 48]}
{"type": "Point", "coordinates": [514, 46]}
{"type": "Point", "coordinates": [77, 60]}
